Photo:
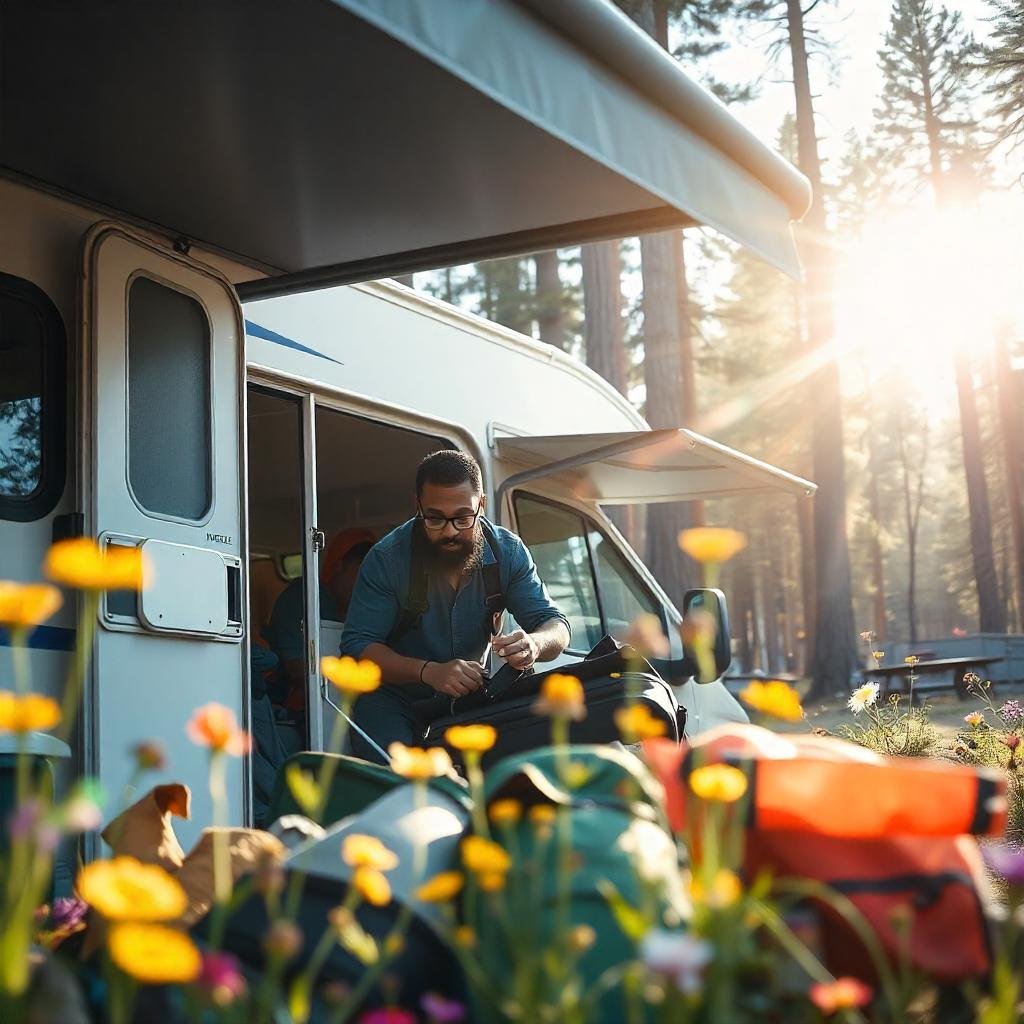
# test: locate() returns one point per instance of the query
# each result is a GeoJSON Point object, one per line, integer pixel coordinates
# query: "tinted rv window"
{"type": "Point", "coordinates": [557, 540]}
{"type": "Point", "coordinates": [169, 456]}
{"type": "Point", "coordinates": [32, 401]}
{"type": "Point", "coordinates": [623, 596]}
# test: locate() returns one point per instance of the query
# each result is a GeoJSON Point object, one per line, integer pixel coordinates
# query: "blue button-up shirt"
{"type": "Point", "coordinates": [456, 624]}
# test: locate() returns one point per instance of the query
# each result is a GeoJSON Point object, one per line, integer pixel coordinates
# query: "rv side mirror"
{"type": "Point", "coordinates": [707, 641]}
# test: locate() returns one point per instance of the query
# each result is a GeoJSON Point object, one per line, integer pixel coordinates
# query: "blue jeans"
{"type": "Point", "coordinates": [387, 718]}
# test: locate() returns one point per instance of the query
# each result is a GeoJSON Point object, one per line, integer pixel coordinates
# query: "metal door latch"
{"type": "Point", "coordinates": [319, 538]}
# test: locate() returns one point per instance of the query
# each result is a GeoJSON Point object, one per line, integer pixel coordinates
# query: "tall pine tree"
{"type": "Point", "coordinates": [924, 113]}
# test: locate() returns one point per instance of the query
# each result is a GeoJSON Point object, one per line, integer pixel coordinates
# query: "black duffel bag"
{"type": "Point", "coordinates": [608, 673]}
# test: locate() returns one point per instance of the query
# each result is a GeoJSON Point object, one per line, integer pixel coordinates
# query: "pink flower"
{"type": "Point", "coordinates": [387, 1015]}
{"type": "Point", "coordinates": [1006, 860]}
{"type": "Point", "coordinates": [221, 979]}
{"type": "Point", "coordinates": [68, 911]}
{"type": "Point", "coordinates": [442, 1011]}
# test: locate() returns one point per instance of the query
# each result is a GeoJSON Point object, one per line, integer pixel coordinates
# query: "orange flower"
{"type": "Point", "coordinates": [841, 994]}
{"type": "Point", "coordinates": [350, 676]}
{"type": "Point", "coordinates": [491, 881]}
{"type": "Point", "coordinates": [474, 739]}
{"type": "Point", "coordinates": [712, 544]}
{"type": "Point", "coordinates": [27, 712]}
{"type": "Point", "coordinates": [24, 605]}
{"type": "Point", "coordinates": [775, 698]}
{"type": "Point", "coordinates": [543, 814]}
{"type": "Point", "coordinates": [372, 886]}
{"type": "Point", "coordinates": [125, 889]}
{"type": "Point", "coordinates": [418, 764]}
{"type": "Point", "coordinates": [484, 857]}
{"type": "Point", "coordinates": [505, 812]}
{"type": "Point", "coordinates": [719, 783]}
{"type": "Point", "coordinates": [725, 889]}
{"type": "Point", "coordinates": [441, 888]}
{"type": "Point", "coordinates": [561, 696]}
{"type": "Point", "coordinates": [637, 723]}
{"type": "Point", "coordinates": [646, 635]}
{"type": "Point", "coordinates": [214, 726]}
{"type": "Point", "coordinates": [153, 953]}
{"type": "Point", "coordinates": [367, 852]}
{"type": "Point", "coordinates": [83, 564]}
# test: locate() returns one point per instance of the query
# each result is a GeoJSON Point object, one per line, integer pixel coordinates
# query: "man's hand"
{"type": "Point", "coordinates": [517, 649]}
{"type": "Point", "coordinates": [454, 678]}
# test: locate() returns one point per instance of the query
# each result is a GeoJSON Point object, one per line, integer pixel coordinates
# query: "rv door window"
{"type": "Point", "coordinates": [623, 597]}
{"type": "Point", "coordinates": [32, 401]}
{"type": "Point", "coordinates": [170, 461]}
{"type": "Point", "coordinates": [557, 539]}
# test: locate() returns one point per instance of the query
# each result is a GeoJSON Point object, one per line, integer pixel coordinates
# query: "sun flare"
{"type": "Point", "coordinates": [917, 283]}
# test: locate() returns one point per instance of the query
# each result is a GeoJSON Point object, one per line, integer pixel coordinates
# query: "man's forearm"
{"type": "Point", "coordinates": [394, 668]}
{"type": "Point", "coordinates": [551, 638]}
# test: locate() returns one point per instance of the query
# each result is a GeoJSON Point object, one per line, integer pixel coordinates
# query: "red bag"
{"type": "Point", "coordinates": [887, 833]}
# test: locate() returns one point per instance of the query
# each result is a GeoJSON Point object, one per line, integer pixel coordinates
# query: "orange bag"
{"type": "Point", "coordinates": [885, 832]}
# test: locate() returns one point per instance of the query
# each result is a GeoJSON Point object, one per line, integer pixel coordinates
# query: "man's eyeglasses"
{"type": "Point", "coordinates": [435, 523]}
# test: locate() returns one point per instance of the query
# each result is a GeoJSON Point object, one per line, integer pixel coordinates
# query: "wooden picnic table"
{"type": "Point", "coordinates": [889, 675]}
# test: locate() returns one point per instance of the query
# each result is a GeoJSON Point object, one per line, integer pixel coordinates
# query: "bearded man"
{"type": "Point", "coordinates": [430, 599]}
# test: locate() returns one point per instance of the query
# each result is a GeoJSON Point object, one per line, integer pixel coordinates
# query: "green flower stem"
{"type": "Point", "coordinates": [222, 882]}
{"type": "Point", "coordinates": [79, 664]}
{"type": "Point", "coordinates": [19, 658]}
{"type": "Point", "coordinates": [303, 984]}
{"type": "Point", "coordinates": [476, 789]}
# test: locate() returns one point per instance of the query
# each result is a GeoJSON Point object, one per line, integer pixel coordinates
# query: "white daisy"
{"type": "Point", "coordinates": [863, 697]}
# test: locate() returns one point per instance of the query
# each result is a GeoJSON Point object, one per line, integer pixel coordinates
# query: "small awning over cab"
{"type": "Point", "coordinates": [642, 467]}
{"type": "Point", "coordinates": [330, 141]}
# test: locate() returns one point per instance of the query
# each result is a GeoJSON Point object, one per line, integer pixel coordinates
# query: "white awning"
{"type": "Point", "coordinates": [331, 141]}
{"type": "Point", "coordinates": [643, 467]}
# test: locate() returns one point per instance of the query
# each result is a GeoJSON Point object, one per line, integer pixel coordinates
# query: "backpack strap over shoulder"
{"type": "Point", "coordinates": [416, 602]}
{"type": "Point", "coordinates": [491, 572]}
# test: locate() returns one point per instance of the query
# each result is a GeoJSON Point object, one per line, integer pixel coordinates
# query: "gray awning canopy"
{"type": "Point", "coordinates": [643, 467]}
{"type": "Point", "coordinates": [338, 140]}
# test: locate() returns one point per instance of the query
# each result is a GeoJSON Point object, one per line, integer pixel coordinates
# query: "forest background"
{"type": "Point", "coordinates": [891, 375]}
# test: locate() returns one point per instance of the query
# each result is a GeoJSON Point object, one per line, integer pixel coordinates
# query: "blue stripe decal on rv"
{"type": "Point", "coordinates": [279, 339]}
{"type": "Point", "coordinates": [45, 638]}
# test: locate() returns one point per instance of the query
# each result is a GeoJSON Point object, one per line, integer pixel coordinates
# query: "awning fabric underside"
{"type": "Point", "coordinates": [339, 140]}
{"type": "Point", "coordinates": [644, 467]}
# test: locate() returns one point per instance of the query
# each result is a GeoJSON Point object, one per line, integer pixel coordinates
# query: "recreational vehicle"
{"type": "Point", "coordinates": [159, 167]}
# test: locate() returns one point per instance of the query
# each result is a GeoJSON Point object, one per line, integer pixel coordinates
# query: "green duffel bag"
{"type": "Point", "coordinates": [355, 784]}
{"type": "Point", "coordinates": [623, 857]}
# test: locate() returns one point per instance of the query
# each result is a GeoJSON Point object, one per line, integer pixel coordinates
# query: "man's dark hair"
{"type": "Point", "coordinates": [448, 468]}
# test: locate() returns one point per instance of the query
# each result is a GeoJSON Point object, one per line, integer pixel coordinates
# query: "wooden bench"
{"type": "Point", "coordinates": [889, 677]}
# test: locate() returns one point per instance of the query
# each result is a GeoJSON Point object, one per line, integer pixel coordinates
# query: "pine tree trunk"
{"type": "Point", "coordinates": [664, 377]}
{"type": "Point", "coordinates": [991, 617]}
{"type": "Point", "coordinates": [835, 655]}
{"type": "Point", "coordinates": [877, 562]}
{"type": "Point", "coordinates": [603, 327]}
{"type": "Point", "coordinates": [1010, 425]}
{"type": "Point", "coordinates": [548, 299]}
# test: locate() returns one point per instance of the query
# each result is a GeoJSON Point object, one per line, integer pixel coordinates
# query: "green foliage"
{"type": "Point", "coordinates": [1001, 63]}
{"type": "Point", "coordinates": [895, 730]}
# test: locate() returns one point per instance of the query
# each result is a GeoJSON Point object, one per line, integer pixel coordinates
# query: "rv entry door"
{"type": "Point", "coordinates": [162, 342]}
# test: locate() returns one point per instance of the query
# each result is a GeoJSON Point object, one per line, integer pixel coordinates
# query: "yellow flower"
{"type": "Point", "coordinates": [712, 543]}
{"type": "Point", "coordinates": [775, 698]}
{"type": "Point", "coordinates": [125, 889]}
{"type": "Point", "coordinates": [491, 881]}
{"type": "Point", "coordinates": [471, 738]}
{"type": "Point", "coordinates": [350, 676]}
{"type": "Point", "coordinates": [372, 886]}
{"type": "Point", "coordinates": [482, 856]}
{"type": "Point", "coordinates": [543, 814]}
{"type": "Point", "coordinates": [153, 953]}
{"type": "Point", "coordinates": [561, 696]}
{"type": "Point", "coordinates": [718, 782]}
{"type": "Point", "coordinates": [23, 605]}
{"type": "Point", "coordinates": [419, 764]}
{"type": "Point", "coordinates": [725, 889]}
{"type": "Point", "coordinates": [581, 938]}
{"type": "Point", "coordinates": [441, 888]}
{"type": "Point", "coordinates": [637, 723]}
{"type": "Point", "coordinates": [878, 655]}
{"type": "Point", "coordinates": [912, 660]}
{"type": "Point", "coordinates": [367, 852]}
{"type": "Point", "coordinates": [26, 712]}
{"type": "Point", "coordinates": [975, 719]}
{"type": "Point", "coordinates": [83, 564]}
{"type": "Point", "coordinates": [214, 726]}
{"type": "Point", "coordinates": [464, 936]}
{"type": "Point", "coordinates": [505, 812]}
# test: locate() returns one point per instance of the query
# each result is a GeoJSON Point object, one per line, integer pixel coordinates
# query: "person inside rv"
{"type": "Point", "coordinates": [430, 599]}
{"type": "Point", "coordinates": [284, 632]}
